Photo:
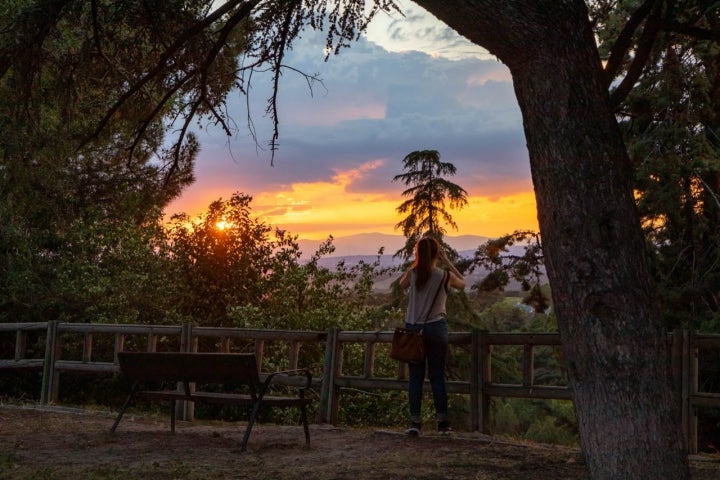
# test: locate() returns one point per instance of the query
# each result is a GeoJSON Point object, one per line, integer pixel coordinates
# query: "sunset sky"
{"type": "Point", "coordinates": [411, 84]}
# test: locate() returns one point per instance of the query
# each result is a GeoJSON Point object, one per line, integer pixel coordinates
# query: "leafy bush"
{"type": "Point", "coordinates": [547, 421]}
{"type": "Point", "coordinates": [547, 430]}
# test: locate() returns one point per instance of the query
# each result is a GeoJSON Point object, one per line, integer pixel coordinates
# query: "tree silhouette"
{"type": "Point", "coordinates": [426, 209]}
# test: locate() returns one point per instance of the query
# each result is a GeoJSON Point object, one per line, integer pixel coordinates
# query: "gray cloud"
{"type": "Point", "coordinates": [373, 105]}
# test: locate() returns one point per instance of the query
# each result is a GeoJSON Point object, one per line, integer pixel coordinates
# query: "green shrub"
{"type": "Point", "coordinates": [505, 420]}
{"type": "Point", "coordinates": [547, 430]}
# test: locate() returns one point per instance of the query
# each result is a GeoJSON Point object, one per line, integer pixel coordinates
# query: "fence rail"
{"type": "Point", "coordinates": [332, 379]}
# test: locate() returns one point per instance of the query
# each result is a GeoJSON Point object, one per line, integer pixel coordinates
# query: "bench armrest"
{"type": "Point", "coordinates": [290, 373]}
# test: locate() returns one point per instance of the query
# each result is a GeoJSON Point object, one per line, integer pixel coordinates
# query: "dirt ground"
{"type": "Point", "coordinates": [62, 443]}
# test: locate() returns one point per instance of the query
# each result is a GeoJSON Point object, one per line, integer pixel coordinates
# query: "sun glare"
{"type": "Point", "coordinates": [222, 225]}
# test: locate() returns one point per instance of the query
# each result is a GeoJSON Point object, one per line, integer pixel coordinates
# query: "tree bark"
{"type": "Point", "coordinates": [613, 341]}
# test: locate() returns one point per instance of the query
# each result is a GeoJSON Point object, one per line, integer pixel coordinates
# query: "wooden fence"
{"type": "Point", "coordinates": [42, 345]}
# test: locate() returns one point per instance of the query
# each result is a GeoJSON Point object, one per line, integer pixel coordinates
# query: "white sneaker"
{"type": "Point", "coordinates": [414, 430]}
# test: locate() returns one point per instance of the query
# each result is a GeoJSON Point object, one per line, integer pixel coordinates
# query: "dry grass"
{"type": "Point", "coordinates": [53, 444]}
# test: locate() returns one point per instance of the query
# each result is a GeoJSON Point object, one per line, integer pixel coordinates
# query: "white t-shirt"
{"type": "Point", "coordinates": [420, 304]}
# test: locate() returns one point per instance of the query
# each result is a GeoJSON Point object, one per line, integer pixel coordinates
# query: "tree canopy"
{"type": "Point", "coordinates": [670, 123]}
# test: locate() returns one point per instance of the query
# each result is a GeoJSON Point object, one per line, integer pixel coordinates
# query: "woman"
{"type": "Point", "coordinates": [426, 311]}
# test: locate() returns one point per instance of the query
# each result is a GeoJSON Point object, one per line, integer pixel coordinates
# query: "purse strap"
{"type": "Point", "coordinates": [437, 292]}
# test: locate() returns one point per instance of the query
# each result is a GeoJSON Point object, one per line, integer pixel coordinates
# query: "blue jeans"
{"type": "Point", "coordinates": [435, 338]}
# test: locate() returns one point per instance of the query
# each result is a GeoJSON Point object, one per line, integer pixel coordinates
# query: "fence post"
{"type": "Point", "coordinates": [20, 345]}
{"type": "Point", "coordinates": [369, 359]}
{"type": "Point", "coordinates": [185, 410]}
{"type": "Point", "coordinates": [294, 354]}
{"type": "Point", "coordinates": [676, 370]}
{"type": "Point", "coordinates": [528, 365]}
{"type": "Point", "coordinates": [693, 374]}
{"type": "Point", "coordinates": [49, 363]}
{"type": "Point", "coordinates": [119, 345]}
{"type": "Point", "coordinates": [186, 337]}
{"type": "Point", "coordinates": [327, 389]}
{"type": "Point", "coordinates": [87, 347]}
{"type": "Point", "coordinates": [475, 380]}
{"type": "Point", "coordinates": [152, 342]}
{"type": "Point", "coordinates": [485, 378]}
{"type": "Point", "coordinates": [259, 352]}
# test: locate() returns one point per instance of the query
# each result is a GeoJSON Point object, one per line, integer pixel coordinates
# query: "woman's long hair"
{"type": "Point", "coordinates": [426, 250]}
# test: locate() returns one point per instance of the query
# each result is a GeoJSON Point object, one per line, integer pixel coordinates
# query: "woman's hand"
{"type": "Point", "coordinates": [457, 279]}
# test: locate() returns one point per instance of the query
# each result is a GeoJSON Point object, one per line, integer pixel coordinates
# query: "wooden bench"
{"type": "Point", "coordinates": [197, 370]}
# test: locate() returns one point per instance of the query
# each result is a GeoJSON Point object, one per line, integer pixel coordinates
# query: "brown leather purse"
{"type": "Point", "coordinates": [407, 345]}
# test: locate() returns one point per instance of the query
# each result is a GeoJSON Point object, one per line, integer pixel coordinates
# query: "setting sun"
{"type": "Point", "coordinates": [222, 225]}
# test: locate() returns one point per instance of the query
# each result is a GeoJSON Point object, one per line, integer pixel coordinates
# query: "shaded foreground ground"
{"type": "Point", "coordinates": [72, 444]}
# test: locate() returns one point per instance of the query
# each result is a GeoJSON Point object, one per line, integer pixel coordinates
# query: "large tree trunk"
{"type": "Point", "coordinates": [613, 340]}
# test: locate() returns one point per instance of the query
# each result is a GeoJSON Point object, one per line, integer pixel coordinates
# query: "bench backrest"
{"type": "Point", "coordinates": [190, 367]}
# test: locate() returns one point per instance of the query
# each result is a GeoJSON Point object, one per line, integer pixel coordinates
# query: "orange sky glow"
{"type": "Point", "coordinates": [316, 210]}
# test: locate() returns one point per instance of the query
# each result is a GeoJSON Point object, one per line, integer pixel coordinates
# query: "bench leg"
{"type": "Point", "coordinates": [120, 413]}
{"type": "Point", "coordinates": [306, 428]}
{"type": "Point", "coordinates": [251, 422]}
{"type": "Point", "coordinates": [172, 416]}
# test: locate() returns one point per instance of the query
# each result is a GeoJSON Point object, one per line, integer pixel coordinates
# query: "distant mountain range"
{"type": "Point", "coordinates": [368, 244]}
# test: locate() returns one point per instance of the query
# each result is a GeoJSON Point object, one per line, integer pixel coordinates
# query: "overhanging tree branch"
{"type": "Point", "coordinates": [650, 15]}
{"type": "Point", "coordinates": [624, 42]}
{"type": "Point", "coordinates": [642, 54]}
{"type": "Point", "coordinates": [277, 72]}
{"type": "Point", "coordinates": [161, 64]}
